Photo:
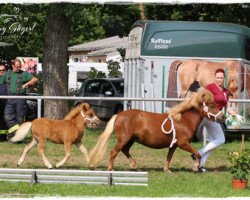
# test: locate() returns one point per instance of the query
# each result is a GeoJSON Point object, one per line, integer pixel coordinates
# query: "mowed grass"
{"type": "Point", "coordinates": [181, 183]}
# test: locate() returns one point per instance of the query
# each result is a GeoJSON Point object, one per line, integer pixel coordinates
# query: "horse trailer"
{"type": "Point", "coordinates": [167, 59]}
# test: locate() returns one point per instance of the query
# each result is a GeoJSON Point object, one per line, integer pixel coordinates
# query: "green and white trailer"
{"type": "Point", "coordinates": [154, 45]}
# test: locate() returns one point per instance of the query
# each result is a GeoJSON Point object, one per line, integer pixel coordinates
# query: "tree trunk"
{"type": "Point", "coordinates": [55, 60]}
{"type": "Point", "coordinates": [142, 9]}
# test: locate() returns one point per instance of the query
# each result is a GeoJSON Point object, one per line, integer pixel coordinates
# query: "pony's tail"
{"type": "Point", "coordinates": [97, 153]}
{"type": "Point", "coordinates": [21, 132]}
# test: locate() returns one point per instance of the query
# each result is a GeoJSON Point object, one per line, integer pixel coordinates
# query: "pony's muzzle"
{"type": "Point", "coordinates": [94, 123]}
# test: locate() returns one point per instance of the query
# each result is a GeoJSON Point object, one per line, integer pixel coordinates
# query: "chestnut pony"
{"type": "Point", "coordinates": [67, 131]}
{"type": "Point", "coordinates": [180, 125]}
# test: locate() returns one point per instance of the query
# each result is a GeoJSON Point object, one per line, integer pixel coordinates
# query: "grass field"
{"type": "Point", "coordinates": [181, 183]}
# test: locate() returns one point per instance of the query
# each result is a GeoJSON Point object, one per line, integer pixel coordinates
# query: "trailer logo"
{"type": "Point", "coordinates": [161, 43]}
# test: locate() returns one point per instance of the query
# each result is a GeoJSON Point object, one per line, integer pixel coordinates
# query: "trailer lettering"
{"type": "Point", "coordinates": [161, 46]}
{"type": "Point", "coordinates": [161, 41]}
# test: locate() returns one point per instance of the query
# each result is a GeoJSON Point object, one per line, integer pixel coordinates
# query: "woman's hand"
{"type": "Point", "coordinates": [26, 85]}
{"type": "Point", "coordinates": [230, 110]}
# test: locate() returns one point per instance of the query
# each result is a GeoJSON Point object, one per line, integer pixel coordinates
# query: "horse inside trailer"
{"type": "Point", "coordinates": [169, 59]}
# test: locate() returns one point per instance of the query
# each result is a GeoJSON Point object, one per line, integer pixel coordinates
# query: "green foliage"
{"type": "Point", "coordinates": [240, 163]}
{"type": "Point", "coordinates": [94, 73]}
{"type": "Point", "coordinates": [38, 88]}
{"type": "Point", "coordinates": [86, 24]}
{"type": "Point", "coordinates": [118, 19]}
{"type": "Point", "coordinates": [233, 13]}
{"type": "Point", "coordinates": [72, 92]}
{"type": "Point", "coordinates": [89, 22]}
{"type": "Point", "coordinates": [113, 68]}
{"type": "Point", "coordinates": [122, 52]}
{"type": "Point", "coordinates": [94, 21]}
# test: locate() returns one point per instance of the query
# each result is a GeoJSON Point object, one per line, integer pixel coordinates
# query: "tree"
{"type": "Point", "coordinates": [113, 68]}
{"type": "Point", "coordinates": [55, 67]}
{"type": "Point", "coordinates": [94, 73]}
{"type": "Point", "coordinates": [142, 10]}
{"type": "Point", "coordinates": [233, 13]}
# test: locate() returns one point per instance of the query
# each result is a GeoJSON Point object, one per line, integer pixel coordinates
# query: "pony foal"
{"type": "Point", "coordinates": [67, 131]}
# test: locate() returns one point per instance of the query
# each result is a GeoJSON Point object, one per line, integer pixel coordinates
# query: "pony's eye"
{"type": "Point", "coordinates": [91, 114]}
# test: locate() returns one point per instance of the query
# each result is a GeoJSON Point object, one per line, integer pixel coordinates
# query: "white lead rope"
{"type": "Point", "coordinates": [174, 140]}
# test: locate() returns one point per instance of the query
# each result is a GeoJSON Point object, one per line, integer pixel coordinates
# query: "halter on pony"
{"type": "Point", "coordinates": [88, 119]}
{"type": "Point", "coordinates": [209, 113]}
{"type": "Point", "coordinates": [174, 140]}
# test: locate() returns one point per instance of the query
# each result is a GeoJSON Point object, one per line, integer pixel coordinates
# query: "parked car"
{"type": "Point", "coordinates": [103, 87]}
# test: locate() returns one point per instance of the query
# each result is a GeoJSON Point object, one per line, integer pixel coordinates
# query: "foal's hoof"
{"type": "Point", "coordinates": [57, 165]}
{"type": "Point", "coordinates": [18, 164]}
{"type": "Point", "coordinates": [92, 167]}
{"type": "Point", "coordinates": [50, 167]}
{"type": "Point", "coordinates": [168, 171]}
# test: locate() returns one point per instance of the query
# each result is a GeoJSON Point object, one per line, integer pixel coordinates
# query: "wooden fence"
{"type": "Point", "coordinates": [74, 176]}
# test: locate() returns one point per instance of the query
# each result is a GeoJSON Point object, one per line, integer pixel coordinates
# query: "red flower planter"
{"type": "Point", "coordinates": [239, 184]}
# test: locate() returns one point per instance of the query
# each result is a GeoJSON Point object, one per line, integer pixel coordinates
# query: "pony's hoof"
{"type": "Point", "coordinates": [50, 167]}
{"type": "Point", "coordinates": [133, 167]}
{"type": "Point", "coordinates": [168, 171]}
{"type": "Point", "coordinates": [92, 167]}
{"type": "Point", "coordinates": [18, 164]}
{"type": "Point", "coordinates": [195, 168]}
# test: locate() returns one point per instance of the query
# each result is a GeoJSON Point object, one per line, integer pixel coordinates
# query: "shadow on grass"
{"type": "Point", "coordinates": [158, 169]}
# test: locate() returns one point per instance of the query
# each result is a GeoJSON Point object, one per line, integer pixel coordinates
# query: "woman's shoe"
{"type": "Point", "coordinates": [201, 169]}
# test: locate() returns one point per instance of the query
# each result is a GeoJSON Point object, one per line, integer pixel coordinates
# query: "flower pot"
{"type": "Point", "coordinates": [239, 184]}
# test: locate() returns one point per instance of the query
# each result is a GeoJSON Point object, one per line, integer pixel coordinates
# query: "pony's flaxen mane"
{"type": "Point", "coordinates": [75, 111]}
{"type": "Point", "coordinates": [72, 113]}
{"type": "Point", "coordinates": [194, 102]}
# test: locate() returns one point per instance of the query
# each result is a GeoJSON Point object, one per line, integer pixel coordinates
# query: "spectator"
{"type": "Point", "coordinates": [3, 91]}
{"type": "Point", "coordinates": [17, 82]}
{"type": "Point", "coordinates": [3, 88]}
